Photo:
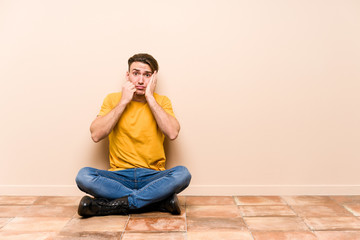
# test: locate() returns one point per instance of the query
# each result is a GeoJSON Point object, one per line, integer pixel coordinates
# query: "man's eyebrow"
{"type": "Point", "coordinates": [140, 70]}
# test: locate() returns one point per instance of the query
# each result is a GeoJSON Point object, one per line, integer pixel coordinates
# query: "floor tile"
{"type": "Point", "coordinates": [156, 224]}
{"type": "Point", "coordinates": [333, 223]}
{"type": "Point", "coordinates": [210, 200]}
{"type": "Point", "coordinates": [159, 214]}
{"type": "Point", "coordinates": [354, 208]}
{"type": "Point", "coordinates": [284, 236]}
{"type": "Point", "coordinates": [266, 211]}
{"type": "Point", "coordinates": [259, 200]}
{"type": "Point", "coordinates": [328, 210]}
{"type": "Point", "coordinates": [49, 211]}
{"type": "Point", "coordinates": [218, 224]}
{"type": "Point", "coordinates": [216, 235]}
{"type": "Point", "coordinates": [36, 224]}
{"type": "Point", "coordinates": [17, 200]}
{"type": "Point", "coordinates": [155, 236]}
{"type": "Point", "coordinates": [221, 211]}
{"type": "Point", "coordinates": [88, 236]}
{"type": "Point", "coordinates": [308, 200]}
{"type": "Point", "coordinates": [346, 199]}
{"type": "Point", "coordinates": [338, 235]}
{"type": "Point", "coordinates": [12, 211]}
{"type": "Point", "coordinates": [275, 224]}
{"type": "Point", "coordinates": [97, 224]}
{"type": "Point", "coordinates": [17, 235]}
{"type": "Point", "coordinates": [58, 200]}
{"type": "Point", "coordinates": [4, 221]}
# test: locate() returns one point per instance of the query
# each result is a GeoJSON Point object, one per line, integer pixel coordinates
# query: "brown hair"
{"type": "Point", "coordinates": [144, 58]}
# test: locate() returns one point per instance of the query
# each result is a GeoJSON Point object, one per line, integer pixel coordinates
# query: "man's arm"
{"type": "Point", "coordinates": [167, 123]}
{"type": "Point", "coordinates": [102, 125]}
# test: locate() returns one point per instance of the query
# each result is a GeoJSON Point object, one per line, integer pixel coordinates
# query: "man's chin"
{"type": "Point", "coordinates": [140, 93]}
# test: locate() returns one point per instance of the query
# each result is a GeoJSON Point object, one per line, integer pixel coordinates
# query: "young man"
{"type": "Point", "coordinates": [136, 122]}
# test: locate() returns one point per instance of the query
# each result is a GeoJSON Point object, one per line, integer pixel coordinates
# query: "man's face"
{"type": "Point", "coordinates": [140, 75]}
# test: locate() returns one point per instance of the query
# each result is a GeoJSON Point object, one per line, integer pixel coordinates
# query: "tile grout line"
{"type": "Point", "coordinates": [242, 216]}
{"type": "Point", "coordinates": [349, 210]}
{"type": "Point", "coordinates": [127, 222]}
{"type": "Point", "coordinates": [342, 205]}
{"type": "Point", "coordinates": [297, 215]}
{"type": "Point", "coordinates": [17, 215]}
{"type": "Point", "coordinates": [186, 222]}
{"type": "Point", "coordinates": [8, 221]}
{"type": "Point", "coordinates": [64, 227]}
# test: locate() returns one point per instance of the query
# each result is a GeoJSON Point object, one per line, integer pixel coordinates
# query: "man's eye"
{"type": "Point", "coordinates": [148, 75]}
{"type": "Point", "coordinates": [135, 73]}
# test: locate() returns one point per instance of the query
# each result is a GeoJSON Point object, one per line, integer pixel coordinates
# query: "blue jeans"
{"type": "Point", "coordinates": [142, 186]}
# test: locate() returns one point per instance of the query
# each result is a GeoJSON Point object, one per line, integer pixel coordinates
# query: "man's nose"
{"type": "Point", "coordinates": [141, 79]}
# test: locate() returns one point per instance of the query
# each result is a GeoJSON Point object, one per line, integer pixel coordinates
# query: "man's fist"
{"type": "Point", "coordinates": [128, 91]}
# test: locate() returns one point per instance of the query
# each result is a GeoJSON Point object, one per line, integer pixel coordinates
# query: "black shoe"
{"type": "Point", "coordinates": [171, 204]}
{"type": "Point", "coordinates": [89, 207]}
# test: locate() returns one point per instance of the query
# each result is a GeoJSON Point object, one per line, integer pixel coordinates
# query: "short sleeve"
{"type": "Point", "coordinates": [166, 105]}
{"type": "Point", "coordinates": [109, 103]}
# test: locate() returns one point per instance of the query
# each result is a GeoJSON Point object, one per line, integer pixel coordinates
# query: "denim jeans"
{"type": "Point", "coordinates": [142, 186]}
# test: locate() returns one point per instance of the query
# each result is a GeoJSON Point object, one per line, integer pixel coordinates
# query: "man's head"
{"type": "Point", "coordinates": [141, 68]}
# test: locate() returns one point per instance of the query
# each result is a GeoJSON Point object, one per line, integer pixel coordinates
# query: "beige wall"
{"type": "Point", "coordinates": [267, 92]}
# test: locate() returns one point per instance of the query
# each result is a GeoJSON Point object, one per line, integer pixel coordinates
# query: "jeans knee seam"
{"type": "Point", "coordinates": [160, 173]}
{"type": "Point", "coordinates": [150, 184]}
{"type": "Point", "coordinates": [146, 187]}
{"type": "Point", "coordinates": [112, 178]}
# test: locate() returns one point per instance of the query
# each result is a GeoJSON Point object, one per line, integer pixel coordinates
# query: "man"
{"type": "Point", "coordinates": [136, 122]}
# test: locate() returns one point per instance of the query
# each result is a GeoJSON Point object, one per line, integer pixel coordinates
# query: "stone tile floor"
{"type": "Point", "coordinates": [213, 217]}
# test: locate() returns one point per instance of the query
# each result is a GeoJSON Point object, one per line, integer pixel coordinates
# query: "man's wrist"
{"type": "Point", "coordinates": [149, 97]}
{"type": "Point", "coordinates": [122, 104]}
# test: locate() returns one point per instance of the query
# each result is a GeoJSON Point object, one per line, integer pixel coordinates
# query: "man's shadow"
{"type": "Point", "coordinates": [99, 157]}
{"type": "Point", "coordinates": [172, 153]}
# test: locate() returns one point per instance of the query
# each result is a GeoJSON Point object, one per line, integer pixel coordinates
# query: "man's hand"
{"type": "Point", "coordinates": [128, 91]}
{"type": "Point", "coordinates": [151, 85]}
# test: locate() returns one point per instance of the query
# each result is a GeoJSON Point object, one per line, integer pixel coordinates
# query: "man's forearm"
{"type": "Point", "coordinates": [168, 124]}
{"type": "Point", "coordinates": [103, 125]}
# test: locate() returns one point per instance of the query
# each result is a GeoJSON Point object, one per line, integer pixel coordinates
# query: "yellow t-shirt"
{"type": "Point", "coordinates": [136, 141]}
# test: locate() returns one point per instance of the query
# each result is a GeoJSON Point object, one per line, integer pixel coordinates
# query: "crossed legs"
{"type": "Point", "coordinates": [141, 186]}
